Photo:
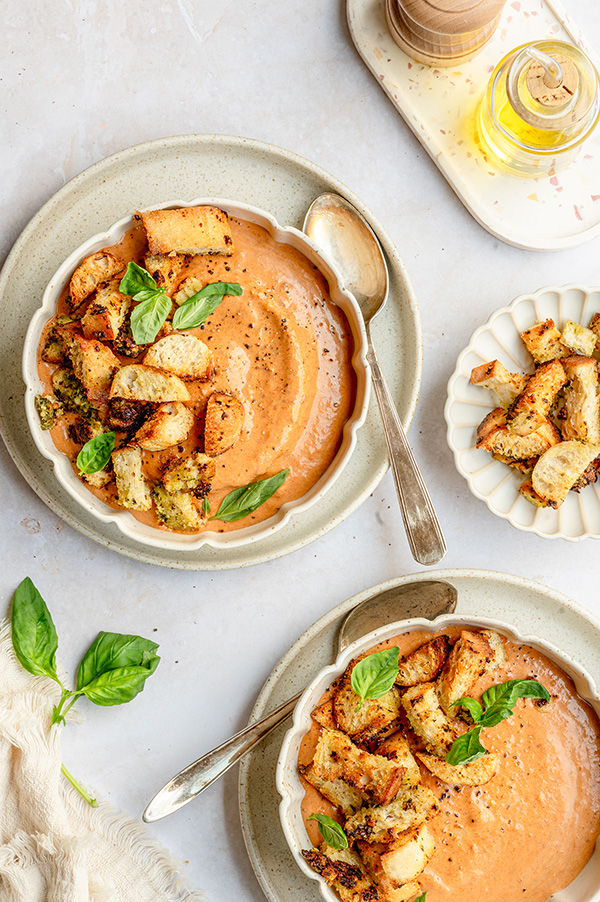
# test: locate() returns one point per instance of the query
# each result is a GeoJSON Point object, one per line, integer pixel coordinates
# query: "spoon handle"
{"type": "Point", "coordinates": [196, 777]}
{"type": "Point", "coordinates": [422, 527]}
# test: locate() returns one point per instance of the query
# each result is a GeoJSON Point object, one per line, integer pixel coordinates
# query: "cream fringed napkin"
{"type": "Point", "coordinates": [53, 846]}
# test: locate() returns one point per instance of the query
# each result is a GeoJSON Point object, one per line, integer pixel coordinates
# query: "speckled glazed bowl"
{"type": "Point", "coordinates": [585, 888]}
{"type": "Point", "coordinates": [488, 479]}
{"type": "Point", "coordinates": [124, 520]}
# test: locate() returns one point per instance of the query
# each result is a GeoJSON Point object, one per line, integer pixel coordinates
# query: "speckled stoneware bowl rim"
{"type": "Point", "coordinates": [460, 378]}
{"type": "Point", "coordinates": [287, 778]}
{"type": "Point", "coordinates": [124, 520]}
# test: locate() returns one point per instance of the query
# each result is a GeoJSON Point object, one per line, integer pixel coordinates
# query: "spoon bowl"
{"type": "Point", "coordinates": [427, 599]}
{"type": "Point", "coordinates": [346, 237]}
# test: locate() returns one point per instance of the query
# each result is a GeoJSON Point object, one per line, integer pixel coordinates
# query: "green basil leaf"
{"type": "Point", "coordinates": [115, 668]}
{"type": "Point", "coordinates": [148, 316]}
{"type": "Point", "coordinates": [331, 831]}
{"type": "Point", "coordinates": [95, 454]}
{"type": "Point", "coordinates": [466, 748]}
{"type": "Point", "coordinates": [136, 279]}
{"type": "Point", "coordinates": [421, 898]}
{"type": "Point", "coordinates": [147, 294]}
{"type": "Point", "coordinates": [499, 700]}
{"type": "Point", "coordinates": [472, 706]}
{"type": "Point", "coordinates": [34, 635]}
{"type": "Point", "coordinates": [248, 498]}
{"type": "Point", "coordinates": [375, 675]}
{"type": "Point", "coordinates": [196, 309]}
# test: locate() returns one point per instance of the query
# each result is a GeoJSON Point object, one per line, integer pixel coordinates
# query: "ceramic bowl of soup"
{"type": "Point", "coordinates": [530, 831]}
{"type": "Point", "coordinates": [291, 348]}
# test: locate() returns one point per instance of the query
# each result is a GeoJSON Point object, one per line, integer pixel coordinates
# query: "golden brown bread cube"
{"type": "Point", "coordinates": [496, 377]}
{"type": "Point", "coordinates": [223, 423]}
{"type": "Point", "coordinates": [137, 382]}
{"type": "Point", "coordinates": [181, 354]}
{"type": "Point", "coordinates": [424, 663]}
{"type": "Point", "coordinates": [106, 313]}
{"type": "Point", "coordinates": [189, 230]}
{"type": "Point", "coordinates": [397, 748]}
{"type": "Point", "coordinates": [475, 773]}
{"type": "Point", "coordinates": [94, 364]}
{"type": "Point", "coordinates": [132, 489]}
{"type": "Point", "coordinates": [345, 797]}
{"type": "Point", "coordinates": [386, 823]}
{"type": "Point", "coordinates": [408, 856]}
{"type": "Point", "coordinates": [427, 718]}
{"type": "Point", "coordinates": [532, 407]}
{"type": "Point", "coordinates": [473, 655]}
{"type": "Point", "coordinates": [543, 342]}
{"type": "Point", "coordinates": [581, 409]}
{"type": "Point", "coordinates": [192, 474]}
{"type": "Point", "coordinates": [176, 510]}
{"type": "Point", "coordinates": [559, 468]}
{"type": "Point", "coordinates": [411, 858]}
{"type": "Point", "coordinates": [526, 490]}
{"type": "Point", "coordinates": [323, 715]}
{"type": "Point", "coordinates": [165, 270]}
{"type": "Point", "coordinates": [90, 274]}
{"type": "Point", "coordinates": [169, 425]}
{"type": "Point", "coordinates": [343, 870]}
{"type": "Point", "coordinates": [338, 758]}
{"type": "Point", "coordinates": [370, 721]}
{"type": "Point", "coordinates": [494, 436]}
{"type": "Point", "coordinates": [578, 339]}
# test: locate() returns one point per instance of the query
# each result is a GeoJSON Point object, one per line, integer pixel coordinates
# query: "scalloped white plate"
{"type": "Point", "coordinates": [124, 520]}
{"type": "Point", "coordinates": [467, 405]}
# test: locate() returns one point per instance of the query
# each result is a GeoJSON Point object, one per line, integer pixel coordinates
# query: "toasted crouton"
{"type": "Point", "coordinates": [579, 339]}
{"type": "Point", "coordinates": [543, 342]}
{"type": "Point", "coordinates": [223, 423]}
{"type": "Point", "coordinates": [323, 715]}
{"type": "Point", "coordinates": [190, 230]}
{"type": "Point", "coordinates": [181, 354]}
{"type": "Point", "coordinates": [98, 479]}
{"type": "Point", "coordinates": [94, 364]}
{"type": "Point", "coordinates": [343, 870]}
{"type": "Point", "coordinates": [532, 407]}
{"type": "Point", "coordinates": [71, 393]}
{"type": "Point", "coordinates": [559, 468]}
{"type": "Point", "coordinates": [427, 718]}
{"type": "Point", "coordinates": [90, 274]}
{"type": "Point", "coordinates": [165, 270]}
{"type": "Point", "coordinates": [473, 655]}
{"type": "Point", "coordinates": [387, 823]}
{"type": "Point", "coordinates": [495, 376]}
{"type": "Point", "coordinates": [594, 326]}
{"type": "Point", "coordinates": [588, 477]}
{"type": "Point", "coordinates": [397, 748]}
{"type": "Point", "coordinates": [187, 289]}
{"type": "Point", "coordinates": [523, 466]}
{"type": "Point", "coordinates": [475, 773]}
{"type": "Point", "coordinates": [177, 510]}
{"type": "Point", "coordinates": [169, 425]}
{"type": "Point", "coordinates": [106, 313]}
{"type": "Point", "coordinates": [408, 856]}
{"type": "Point", "coordinates": [424, 663]}
{"type": "Point", "coordinates": [49, 410]}
{"type": "Point", "coordinates": [581, 400]}
{"type": "Point", "coordinates": [391, 890]}
{"type": "Point", "coordinates": [370, 721]}
{"type": "Point", "coordinates": [127, 416]}
{"type": "Point", "coordinates": [137, 382]}
{"type": "Point", "coordinates": [192, 474]}
{"type": "Point", "coordinates": [338, 758]}
{"type": "Point", "coordinates": [345, 797]}
{"type": "Point", "coordinates": [132, 489]}
{"type": "Point", "coordinates": [493, 435]}
{"type": "Point", "coordinates": [526, 490]}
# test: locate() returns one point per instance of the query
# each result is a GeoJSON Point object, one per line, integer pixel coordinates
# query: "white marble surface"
{"type": "Point", "coordinates": [80, 80]}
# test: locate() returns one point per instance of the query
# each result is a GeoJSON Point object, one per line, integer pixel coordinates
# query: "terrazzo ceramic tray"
{"type": "Point", "coordinates": [531, 608]}
{"type": "Point", "coordinates": [190, 166]}
{"type": "Point", "coordinates": [440, 106]}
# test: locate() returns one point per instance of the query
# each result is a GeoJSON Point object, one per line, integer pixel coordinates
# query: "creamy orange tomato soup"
{"type": "Point", "coordinates": [282, 347]}
{"type": "Point", "coordinates": [530, 830]}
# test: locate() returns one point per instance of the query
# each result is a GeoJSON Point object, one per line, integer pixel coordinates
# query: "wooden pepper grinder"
{"type": "Point", "coordinates": [442, 32]}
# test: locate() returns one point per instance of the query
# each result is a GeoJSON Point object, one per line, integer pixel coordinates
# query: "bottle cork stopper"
{"type": "Point", "coordinates": [548, 96]}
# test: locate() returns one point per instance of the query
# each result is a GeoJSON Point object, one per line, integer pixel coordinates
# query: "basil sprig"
{"type": "Point", "coordinates": [375, 675]}
{"type": "Point", "coordinates": [497, 704]}
{"type": "Point", "coordinates": [95, 454]}
{"type": "Point", "coordinates": [113, 670]}
{"type": "Point", "coordinates": [199, 307]}
{"type": "Point", "coordinates": [153, 305]}
{"type": "Point", "coordinates": [331, 831]}
{"type": "Point", "coordinates": [248, 498]}
{"type": "Point", "coordinates": [421, 898]}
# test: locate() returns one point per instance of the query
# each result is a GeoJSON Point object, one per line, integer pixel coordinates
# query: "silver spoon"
{"type": "Point", "coordinates": [427, 599]}
{"type": "Point", "coordinates": [339, 229]}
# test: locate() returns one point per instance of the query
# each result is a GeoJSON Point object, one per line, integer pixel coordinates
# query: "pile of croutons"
{"type": "Point", "coordinates": [548, 424]}
{"type": "Point", "coordinates": [365, 764]}
{"type": "Point", "coordinates": [104, 382]}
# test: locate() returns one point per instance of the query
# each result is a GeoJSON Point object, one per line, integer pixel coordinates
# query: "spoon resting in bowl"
{"type": "Point", "coordinates": [345, 236]}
